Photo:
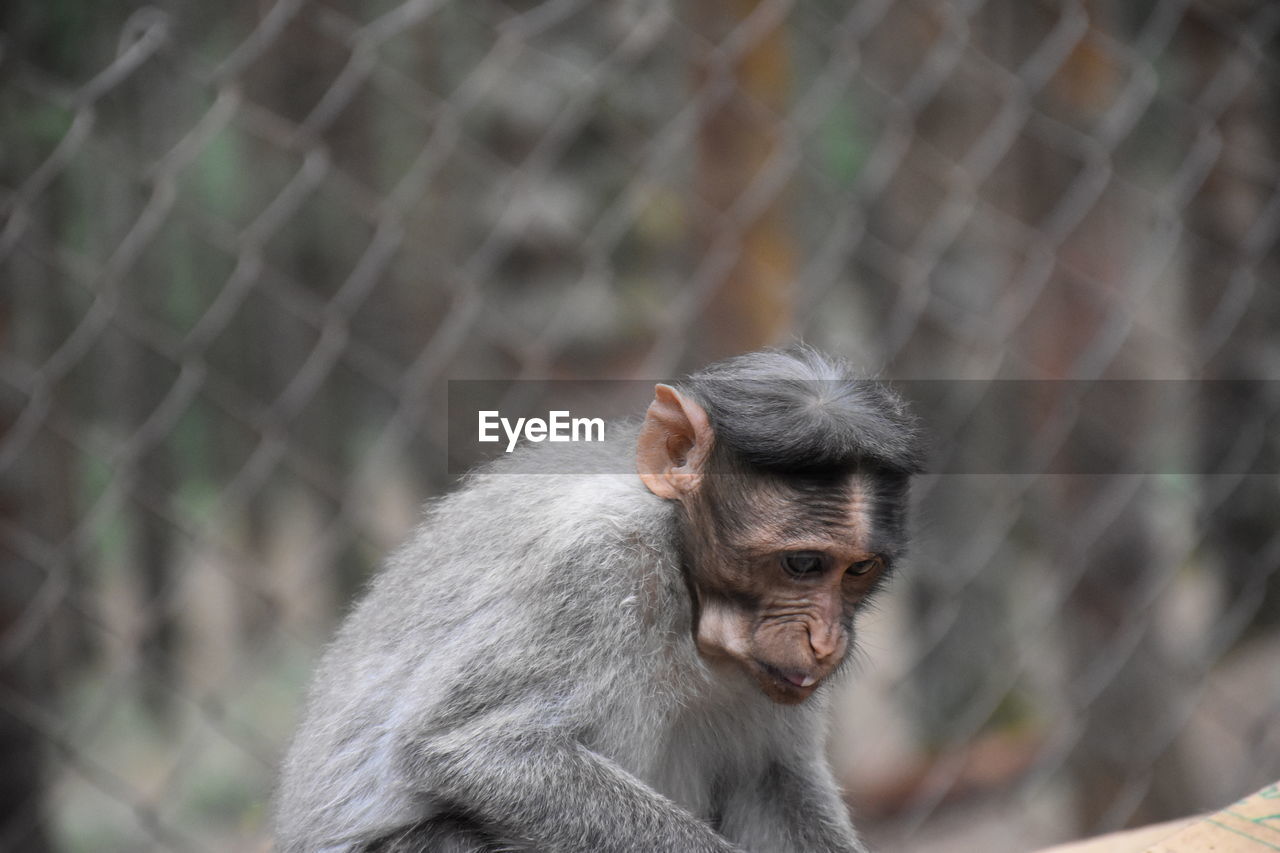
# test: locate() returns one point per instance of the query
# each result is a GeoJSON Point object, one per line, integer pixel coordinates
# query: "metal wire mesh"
{"type": "Point", "coordinates": [245, 246]}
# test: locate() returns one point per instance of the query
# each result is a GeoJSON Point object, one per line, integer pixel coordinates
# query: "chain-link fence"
{"type": "Point", "coordinates": [245, 245]}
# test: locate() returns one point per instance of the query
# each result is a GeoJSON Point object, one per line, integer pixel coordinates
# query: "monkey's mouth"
{"type": "Point", "coordinates": [790, 685]}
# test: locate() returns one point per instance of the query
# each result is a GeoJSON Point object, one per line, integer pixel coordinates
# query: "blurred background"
{"type": "Point", "coordinates": [245, 245]}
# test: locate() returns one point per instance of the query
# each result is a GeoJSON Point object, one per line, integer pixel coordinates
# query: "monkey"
{"type": "Point", "coordinates": [572, 655]}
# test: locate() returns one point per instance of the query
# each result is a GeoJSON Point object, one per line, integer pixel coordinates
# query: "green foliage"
{"type": "Point", "coordinates": [218, 175]}
{"type": "Point", "coordinates": [844, 143]}
{"type": "Point", "coordinates": [192, 771]}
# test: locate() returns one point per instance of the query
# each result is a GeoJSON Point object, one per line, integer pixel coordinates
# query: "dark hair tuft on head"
{"type": "Point", "coordinates": [799, 411]}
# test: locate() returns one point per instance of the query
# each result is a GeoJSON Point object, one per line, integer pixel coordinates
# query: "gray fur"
{"type": "Point", "coordinates": [798, 410]}
{"type": "Point", "coordinates": [523, 676]}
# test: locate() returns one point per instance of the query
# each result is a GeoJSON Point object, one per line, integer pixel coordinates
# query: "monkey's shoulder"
{"type": "Point", "coordinates": [544, 504]}
{"type": "Point", "coordinates": [512, 545]}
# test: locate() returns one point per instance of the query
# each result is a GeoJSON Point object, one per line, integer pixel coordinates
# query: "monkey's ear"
{"type": "Point", "coordinates": [674, 442]}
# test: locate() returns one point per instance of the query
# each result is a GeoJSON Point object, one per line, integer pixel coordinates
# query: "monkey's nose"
{"type": "Point", "coordinates": [824, 643]}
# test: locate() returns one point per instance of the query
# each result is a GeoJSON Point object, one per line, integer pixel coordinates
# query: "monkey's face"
{"type": "Point", "coordinates": [777, 563]}
{"type": "Point", "coordinates": [778, 570]}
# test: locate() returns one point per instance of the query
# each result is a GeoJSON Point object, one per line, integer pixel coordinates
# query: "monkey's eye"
{"type": "Point", "coordinates": [863, 567]}
{"type": "Point", "coordinates": [802, 563]}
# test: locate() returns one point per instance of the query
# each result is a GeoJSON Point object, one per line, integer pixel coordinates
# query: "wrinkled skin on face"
{"type": "Point", "coordinates": [777, 590]}
{"type": "Point", "coordinates": [777, 565]}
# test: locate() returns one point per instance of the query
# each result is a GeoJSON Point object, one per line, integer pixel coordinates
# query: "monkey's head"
{"type": "Point", "coordinates": [791, 479]}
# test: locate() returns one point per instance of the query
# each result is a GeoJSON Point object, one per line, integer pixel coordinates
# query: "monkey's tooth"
{"type": "Point", "coordinates": [800, 680]}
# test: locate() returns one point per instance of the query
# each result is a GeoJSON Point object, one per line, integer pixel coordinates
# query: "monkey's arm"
{"type": "Point", "coordinates": [791, 811]}
{"type": "Point", "coordinates": [558, 794]}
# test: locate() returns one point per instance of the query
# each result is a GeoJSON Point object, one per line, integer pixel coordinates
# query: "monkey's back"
{"type": "Point", "coordinates": [526, 594]}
